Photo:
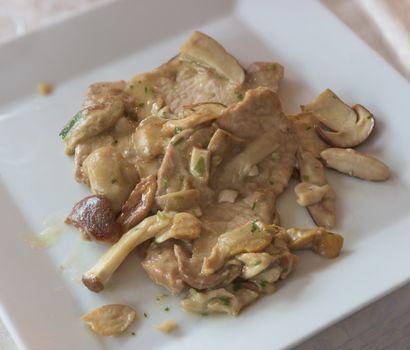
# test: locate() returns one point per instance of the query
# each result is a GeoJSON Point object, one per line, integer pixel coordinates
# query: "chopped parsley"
{"type": "Point", "coordinates": [177, 130]}
{"type": "Point", "coordinates": [145, 315]}
{"type": "Point", "coordinates": [204, 314]}
{"type": "Point", "coordinates": [166, 183]}
{"type": "Point", "coordinates": [272, 67]}
{"type": "Point", "coordinates": [200, 166]}
{"type": "Point", "coordinates": [254, 226]}
{"type": "Point", "coordinates": [257, 263]}
{"type": "Point", "coordinates": [113, 181]}
{"type": "Point", "coordinates": [74, 120]}
{"type": "Point", "coordinates": [160, 215]}
{"type": "Point", "coordinates": [141, 105]}
{"type": "Point", "coordinates": [177, 142]}
{"type": "Point", "coordinates": [167, 309]}
{"type": "Point", "coordinates": [263, 283]}
{"type": "Point", "coordinates": [181, 178]}
{"type": "Point", "coordinates": [224, 300]}
{"type": "Point", "coordinates": [271, 183]}
{"type": "Point", "coordinates": [115, 142]}
{"type": "Point", "coordinates": [158, 298]}
{"type": "Point", "coordinates": [305, 178]}
{"type": "Point", "coordinates": [253, 207]}
{"type": "Point", "coordinates": [370, 116]}
{"type": "Point", "coordinates": [285, 269]}
{"type": "Point", "coordinates": [148, 90]}
{"type": "Point", "coordinates": [217, 160]}
{"type": "Point", "coordinates": [133, 334]}
{"type": "Point", "coordinates": [236, 286]}
{"type": "Point", "coordinates": [239, 96]}
{"type": "Point", "coordinates": [308, 128]}
{"type": "Point", "coordinates": [139, 82]}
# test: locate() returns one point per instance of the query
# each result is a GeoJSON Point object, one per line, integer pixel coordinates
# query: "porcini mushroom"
{"type": "Point", "coordinates": [204, 50]}
{"type": "Point", "coordinates": [353, 136]}
{"type": "Point", "coordinates": [354, 163]}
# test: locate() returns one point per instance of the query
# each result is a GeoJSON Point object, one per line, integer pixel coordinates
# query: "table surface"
{"type": "Point", "coordinates": [382, 24]}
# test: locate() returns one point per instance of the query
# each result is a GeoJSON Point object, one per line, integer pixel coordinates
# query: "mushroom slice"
{"type": "Point", "coordinates": [267, 74]}
{"type": "Point", "coordinates": [199, 165]}
{"type": "Point", "coordinates": [198, 114]}
{"type": "Point", "coordinates": [179, 201]}
{"type": "Point", "coordinates": [251, 237]}
{"type": "Point", "coordinates": [197, 281]}
{"type": "Point", "coordinates": [254, 263]}
{"type": "Point", "coordinates": [95, 219]}
{"type": "Point", "coordinates": [96, 278]}
{"type": "Point", "coordinates": [204, 50]}
{"type": "Point", "coordinates": [330, 110]}
{"type": "Point", "coordinates": [91, 121]}
{"type": "Point", "coordinates": [184, 226]}
{"type": "Point", "coordinates": [309, 194]}
{"type": "Point", "coordinates": [354, 136]}
{"type": "Point", "coordinates": [320, 241]}
{"type": "Point", "coordinates": [312, 172]}
{"type": "Point", "coordinates": [138, 204]}
{"type": "Point", "coordinates": [218, 301]}
{"type": "Point", "coordinates": [265, 281]}
{"type": "Point", "coordinates": [354, 163]}
{"type": "Point", "coordinates": [110, 320]}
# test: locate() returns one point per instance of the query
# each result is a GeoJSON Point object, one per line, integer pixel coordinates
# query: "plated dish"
{"type": "Point", "coordinates": [186, 162]}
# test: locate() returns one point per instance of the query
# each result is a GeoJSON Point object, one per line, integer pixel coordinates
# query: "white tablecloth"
{"type": "Point", "coordinates": [385, 26]}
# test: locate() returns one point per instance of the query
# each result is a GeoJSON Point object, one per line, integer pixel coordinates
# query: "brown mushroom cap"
{"type": "Point", "coordinates": [353, 136]}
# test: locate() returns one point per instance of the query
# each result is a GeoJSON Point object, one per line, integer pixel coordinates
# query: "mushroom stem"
{"type": "Point", "coordinates": [96, 278]}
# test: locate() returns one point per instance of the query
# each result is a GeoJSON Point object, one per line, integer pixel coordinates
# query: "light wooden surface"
{"type": "Point", "coordinates": [382, 24]}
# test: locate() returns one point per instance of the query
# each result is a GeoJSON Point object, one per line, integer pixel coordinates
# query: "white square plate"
{"type": "Point", "coordinates": [42, 305]}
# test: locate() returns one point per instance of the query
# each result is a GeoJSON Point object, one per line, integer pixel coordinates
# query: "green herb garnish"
{"type": "Point", "coordinates": [141, 105]}
{"type": "Point", "coordinates": [271, 183]}
{"type": "Point", "coordinates": [308, 128]}
{"type": "Point", "coordinates": [263, 283]}
{"type": "Point", "coordinates": [148, 90]}
{"type": "Point", "coordinates": [253, 206]}
{"type": "Point", "coordinates": [257, 263]}
{"type": "Point", "coordinates": [133, 334]}
{"type": "Point", "coordinates": [139, 82]}
{"type": "Point", "coordinates": [204, 314]}
{"type": "Point", "coordinates": [200, 166]}
{"type": "Point", "coordinates": [113, 181]}
{"type": "Point", "coordinates": [236, 286]}
{"type": "Point", "coordinates": [74, 120]}
{"type": "Point", "coordinates": [167, 309]}
{"type": "Point", "coordinates": [177, 142]}
{"type": "Point", "coordinates": [166, 183]}
{"type": "Point", "coordinates": [272, 67]}
{"type": "Point", "coordinates": [160, 215]}
{"type": "Point", "coordinates": [145, 315]}
{"type": "Point", "coordinates": [305, 178]}
{"type": "Point", "coordinates": [224, 300]}
{"type": "Point", "coordinates": [216, 160]}
{"type": "Point", "coordinates": [254, 226]}
{"type": "Point", "coordinates": [177, 130]}
{"type": "Point", "coordinates": [239, 96]}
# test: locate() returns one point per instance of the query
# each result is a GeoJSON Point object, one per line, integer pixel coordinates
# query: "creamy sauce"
{"type": "Point", "coordinates": [49, 236]}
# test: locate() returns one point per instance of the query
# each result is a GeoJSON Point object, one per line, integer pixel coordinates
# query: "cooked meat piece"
{"type": "Point", "coordinates": [259, 112]}
{"type": "Point", "coordinates": [161, 266]}
{"type": "Point", "coordinates": [101, 92]}
{"type": "Point", "coordinates": [312, 171]}
{"type": "Point", "coordinates": [218, 301]}
{"type": "Point", "coordinates": [308, 139]}
{"type": "Point", "coordinates": [138, 204]}
{"type": "Point", "coordinates": [266, 74]}
{"type": "Point", "coordinates": [191, 273]}
{"type": "Point", "coordinates": [95, 219]}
